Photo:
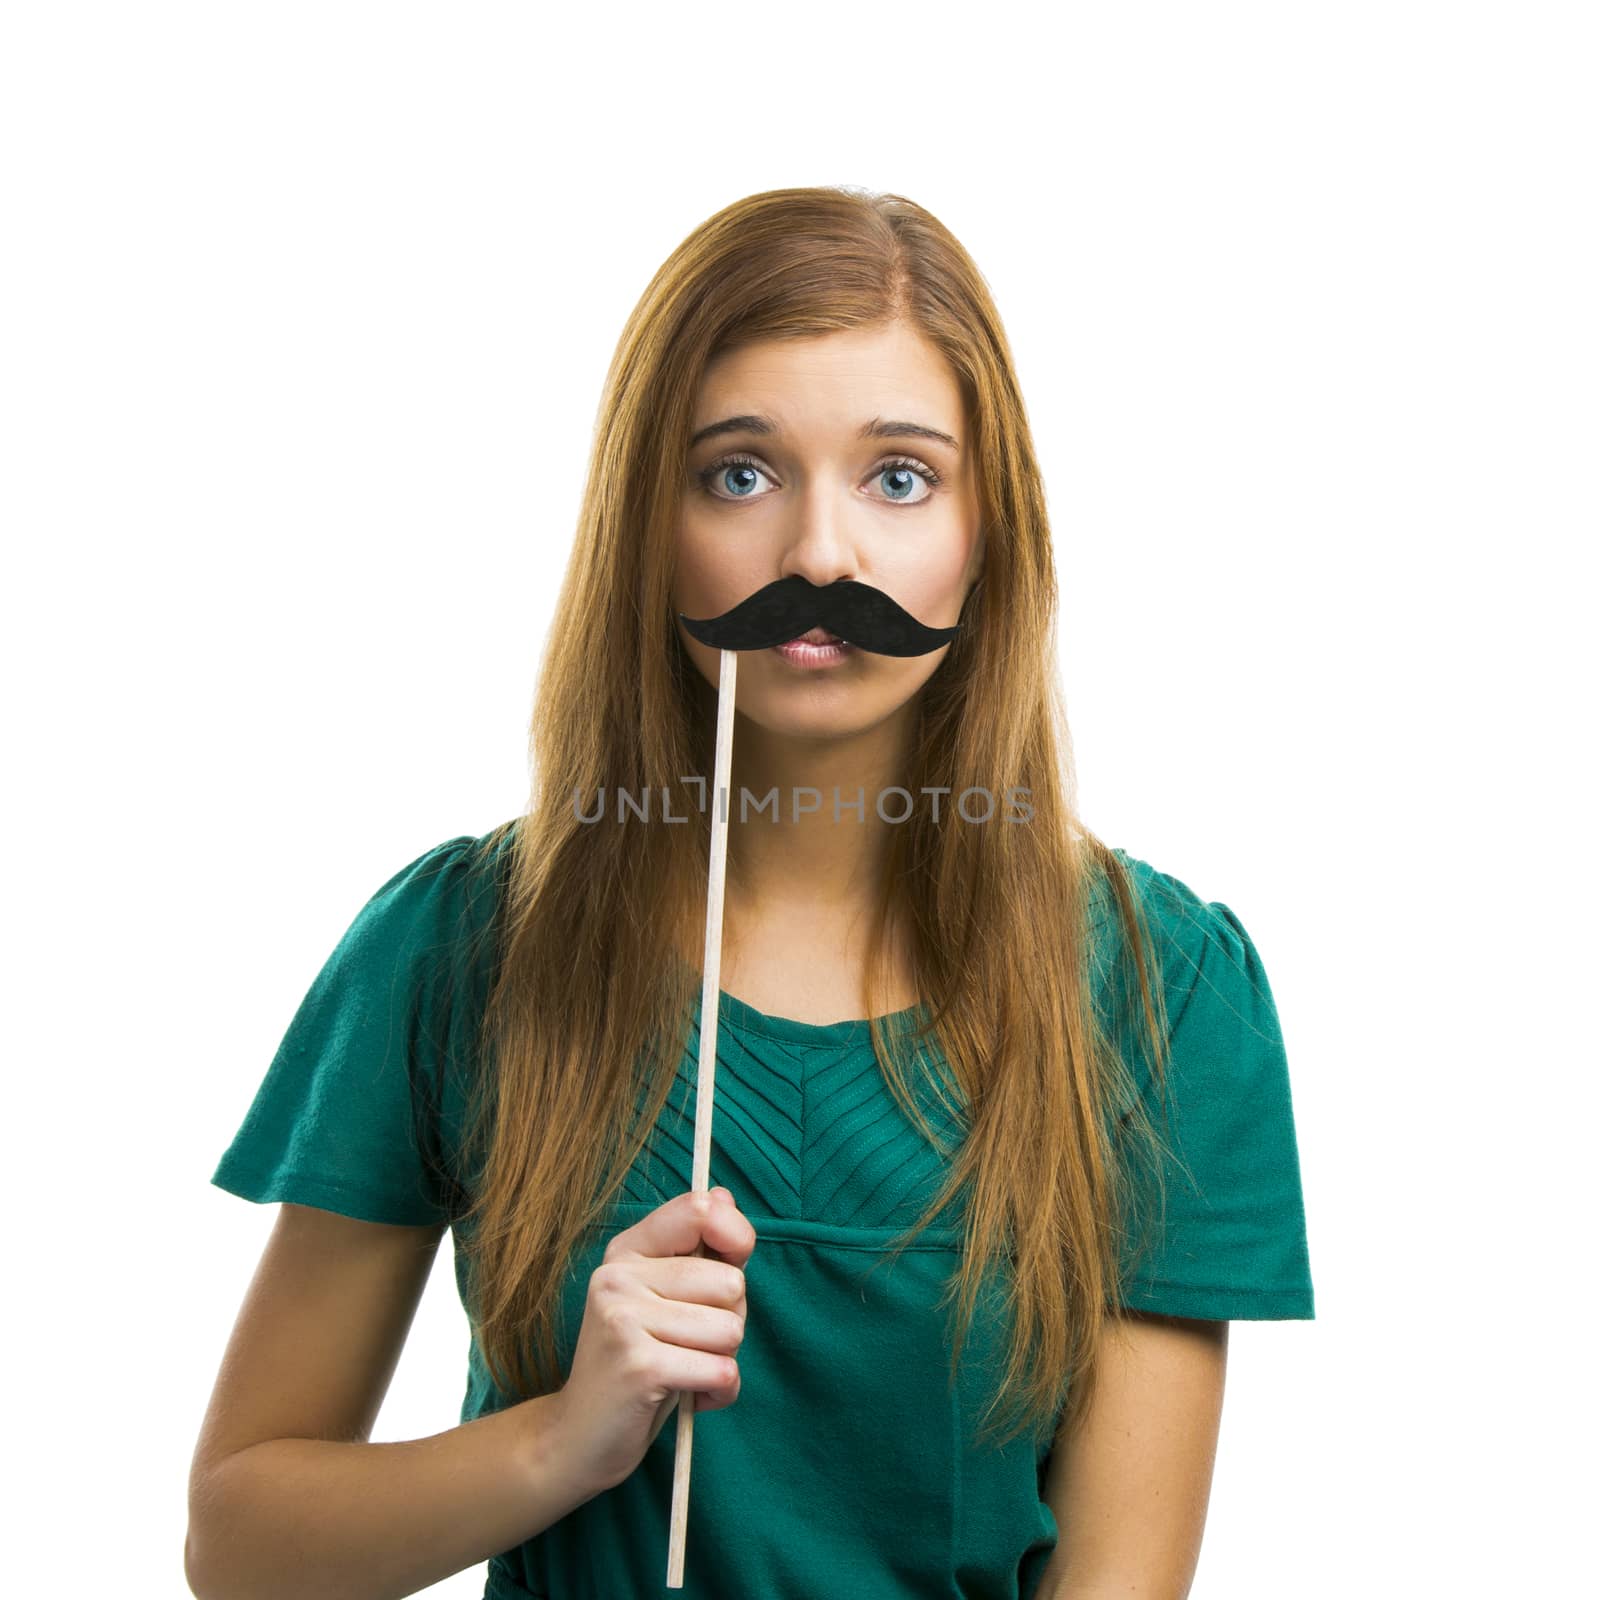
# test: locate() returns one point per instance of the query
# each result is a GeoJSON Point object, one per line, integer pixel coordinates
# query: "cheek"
{"type": "Point", "coordinates": [707, 579]}
{"type": "Point", "coordinates": [932, 585]}
{"type": "Point", "coordinates": [711, 576]}
{"type": "Point", "coordinates": [690, 571]}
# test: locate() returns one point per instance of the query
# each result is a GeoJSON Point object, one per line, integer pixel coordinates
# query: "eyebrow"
{"type": "Point", "coordinates": [878, 428]}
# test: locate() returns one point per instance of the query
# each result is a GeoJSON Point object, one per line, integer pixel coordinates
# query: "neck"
{"type": "Point", "coordinates": [788, 856]}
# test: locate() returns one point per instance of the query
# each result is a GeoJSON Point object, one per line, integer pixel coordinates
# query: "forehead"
{"type": "Point", "coordinates": [836, 379]}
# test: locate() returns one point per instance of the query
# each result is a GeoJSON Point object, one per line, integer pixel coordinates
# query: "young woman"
{"type": "Point", "coordinates": [1003, 1136]}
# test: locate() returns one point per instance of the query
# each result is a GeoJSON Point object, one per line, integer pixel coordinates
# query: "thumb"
{"type": "Point", "coordinates": [663, 1411]}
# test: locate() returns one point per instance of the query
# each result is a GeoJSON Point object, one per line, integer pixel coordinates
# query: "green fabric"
{"type": "Point", "coordinates": [1230, 1244]}
{"type": "Point", "coordinates": [848, 1465]}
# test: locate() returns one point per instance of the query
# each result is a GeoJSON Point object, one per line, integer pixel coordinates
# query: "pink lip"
{"type": "Point", "coordinates": [800, 653]}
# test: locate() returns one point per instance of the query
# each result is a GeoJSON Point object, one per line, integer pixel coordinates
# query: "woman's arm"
{"type": "Point", "coordinates": [286, 1494]}
{"type": "Point", "coordinates": [1130, 1489]}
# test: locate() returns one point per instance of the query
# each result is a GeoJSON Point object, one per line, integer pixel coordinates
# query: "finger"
{"type": "Point", "coordinates": [690, 1222]}
{"type": "Point", "coordinates": [717, 1399]}
{"type": "Point", "coordinates": [731, 1230]}
{"type": "Point", "coordinates": [696, 1278]}
{"type": "Point", "coordinates": [675, 1228]}
{"type": "Point", "coordinates": [712, 1330]}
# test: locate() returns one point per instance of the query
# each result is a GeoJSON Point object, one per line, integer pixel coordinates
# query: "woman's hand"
{"type": "Point", "coordinates": [658, 1319]}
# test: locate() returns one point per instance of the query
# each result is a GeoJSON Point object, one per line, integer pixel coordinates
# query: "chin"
{"type": "Point", "coordinates": [818, 716]}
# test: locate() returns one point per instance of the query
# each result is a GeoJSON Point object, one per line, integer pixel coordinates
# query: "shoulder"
{"type": "Point", "coordinates": [466, 866]}
{"type": "Point", "coordinates": [1171, 913]}
{"type": "Point", "coordinates": [1199, 944]}
{"type": "Point", "coordinates": [1230, 1237]}
{"type": "Point", "coordinates": [446, 894]}
{"type": "Point", "coordinates": [1179, 917]}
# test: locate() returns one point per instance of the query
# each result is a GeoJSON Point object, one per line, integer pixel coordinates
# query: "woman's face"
{"type": "Point", "coordinates": [815, 495]}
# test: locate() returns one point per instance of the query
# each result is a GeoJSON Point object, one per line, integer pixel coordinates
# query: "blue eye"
{"type": "Point", "coordinates": [729, 465]}
{"type": "Point", "coordinates": [899, 469]}
{"type": "Point", "coordinates": [746, 466]}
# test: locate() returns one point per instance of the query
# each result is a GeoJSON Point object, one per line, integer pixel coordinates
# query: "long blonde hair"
{"type": "Point", "coordinates": [588, 1011]}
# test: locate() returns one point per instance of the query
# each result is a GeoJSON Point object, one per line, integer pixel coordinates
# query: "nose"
{"type": "Point", "coordinates": [819, 546]}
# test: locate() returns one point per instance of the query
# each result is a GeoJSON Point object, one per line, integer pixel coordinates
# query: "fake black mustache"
{"type": "Point", "coordinates": [783, 610]}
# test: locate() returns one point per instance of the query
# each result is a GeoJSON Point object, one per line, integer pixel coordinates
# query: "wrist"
{"type": "Point", "coordinates": [549, 1456]}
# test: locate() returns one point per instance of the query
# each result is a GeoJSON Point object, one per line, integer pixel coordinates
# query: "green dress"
{"type": "Point", "coordinates": [848, 1466]}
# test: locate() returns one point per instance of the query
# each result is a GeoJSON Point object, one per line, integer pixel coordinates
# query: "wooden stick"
{"type": "Point", "coordinates": [706, 1086]}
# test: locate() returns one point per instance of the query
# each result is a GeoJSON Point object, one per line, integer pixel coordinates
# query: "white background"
{"type": "Point", "coordinates": [306, 313]}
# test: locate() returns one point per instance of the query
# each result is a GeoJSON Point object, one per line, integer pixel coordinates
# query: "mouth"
{"type": "Point", "coordinates": [815, 651]}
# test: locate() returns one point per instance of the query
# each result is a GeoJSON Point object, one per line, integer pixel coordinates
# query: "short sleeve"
{"type": "Point", "coordinates": [333, 1123]}
{"type": "Point", "coordinates": [1232, 1244]}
